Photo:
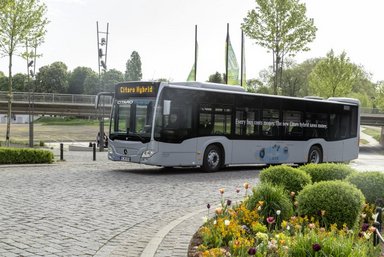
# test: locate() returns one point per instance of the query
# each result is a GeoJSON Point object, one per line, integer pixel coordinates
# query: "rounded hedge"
{"type": "Point", "coordinates": [332, 202]}
{"type": "Point", "coordinates": [292, 179]}
{"type": "Point", "coordinates": [370, 183]}
{"type": "Point", "coordinates": [274, 199]}
{"type": "Point", "coordinates": [327, 171]}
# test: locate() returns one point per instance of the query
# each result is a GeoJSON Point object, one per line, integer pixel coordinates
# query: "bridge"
{"type": "Point", "coordinates": [54, 104]}
{"type": "Point", "coordinates": [84, 105]}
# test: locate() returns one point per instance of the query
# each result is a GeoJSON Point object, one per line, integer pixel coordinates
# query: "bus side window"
{"type": "Point", "coordinates": [205, 124]}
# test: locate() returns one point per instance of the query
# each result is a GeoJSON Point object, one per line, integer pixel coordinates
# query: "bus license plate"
{"type": "Point", "coordinates": [125, 158]}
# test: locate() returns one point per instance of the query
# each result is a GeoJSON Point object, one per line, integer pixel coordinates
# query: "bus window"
{"type": "Point", "coordinates": [270, 118]}
{"type": "Point", "coordinates": [222, 121]}
{"type": "Point", "coordinates": [247, 123]}
{"type": "Point", "coordinates": [292, 124]}
{"type": "Point", "coordinates": [316, 125]}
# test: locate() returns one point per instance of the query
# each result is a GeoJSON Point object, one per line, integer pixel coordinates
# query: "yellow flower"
{"type": "Point", "coordinates": [246, 185]}
{"type": "Point", "coordinates": [221, 190]}
{"type": "Point", "coordinates": [219, 210]}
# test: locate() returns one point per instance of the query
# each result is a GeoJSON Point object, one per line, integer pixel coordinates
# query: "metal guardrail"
{"type": "Point", "coordinates": [53, 98]}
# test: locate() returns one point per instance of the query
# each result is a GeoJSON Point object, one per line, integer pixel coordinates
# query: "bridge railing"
{"type": "Point", "coordinates": [53, 98]}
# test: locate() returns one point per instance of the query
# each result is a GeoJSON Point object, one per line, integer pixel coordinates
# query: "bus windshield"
{"type": "Point", "coordinates": [132, 119]}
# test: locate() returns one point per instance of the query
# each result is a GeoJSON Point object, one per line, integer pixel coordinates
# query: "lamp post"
{"type": "Point", "coordinates": [102, 44]}
{"type": "Point", "coordinates": [31, 66]}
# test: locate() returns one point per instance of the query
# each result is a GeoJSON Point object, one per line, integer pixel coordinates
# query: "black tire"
{"type": "Point", "coordinates": [315, 154]}
{"type": "Point", "coordinates": [213, 158]}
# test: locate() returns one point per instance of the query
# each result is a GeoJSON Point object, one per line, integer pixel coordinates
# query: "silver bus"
{"type": "Point", "coordinates": [207, 125]}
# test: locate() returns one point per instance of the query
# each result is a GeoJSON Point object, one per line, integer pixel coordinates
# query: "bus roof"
{"type": "Point", "coordinates": [209, 85]}
{"type": "Point", "coordinates": [238, 89]}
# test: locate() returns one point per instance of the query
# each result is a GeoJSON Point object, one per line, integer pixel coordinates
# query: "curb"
{"type": "Point", "coordinates": [154, 243]}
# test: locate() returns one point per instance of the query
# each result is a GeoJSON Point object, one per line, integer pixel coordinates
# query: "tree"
{"type": "Point", "coordinates": [77, 78]}
{"type": "Point", "coordinates": [20, 82]}
{"type": "Point", "coordinates": [282, 27]}
{"type": "Point", "coordinates": [53, 78]}
{"type": "Point", "coordinates": [92, 84]}
{"type": "Point", "coordinates": [333, 76]}
{"type": "Point", "coordinates": [379, 99]}
{"type": "Point", "coordinates": [295, 78]}
{"type": "Point", "coordinates": [133, 68]}
{"type": "Point", "coordinates": [20, 21]}
{"type": "Point", "coordinates": [216, 78]}
{"type": "Point", "coordinates": [110, 78]}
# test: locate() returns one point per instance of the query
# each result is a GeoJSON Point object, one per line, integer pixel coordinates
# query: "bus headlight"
{"type": "Point", "coordinates": [147, 154]}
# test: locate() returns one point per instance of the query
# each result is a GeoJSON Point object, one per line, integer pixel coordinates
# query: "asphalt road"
{"type": "Point", "coordinates": [82, 207]}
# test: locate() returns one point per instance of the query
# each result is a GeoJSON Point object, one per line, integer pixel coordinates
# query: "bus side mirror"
{"type": "Point", "coordinates": [167, 107]}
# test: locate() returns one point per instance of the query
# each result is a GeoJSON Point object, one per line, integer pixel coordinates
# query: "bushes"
{"type": "Point", "coordinates": [293, 180]}
{"type": "Point", "coordinates": [270, 199]}
{"type": "Point", "coordinates": [370, 183]}
{"type": "Point", "coordinates": [332, 202]}
{"type": "Point", "coordinates": [24, 155]}
{"type": "Point", "coordinates": [327, 171]}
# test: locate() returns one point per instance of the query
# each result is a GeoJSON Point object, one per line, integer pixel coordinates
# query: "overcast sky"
{"type": "Point", "coordinates": [162, 32]}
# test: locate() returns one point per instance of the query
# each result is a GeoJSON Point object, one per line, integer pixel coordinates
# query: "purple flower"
{"type": "Point", "coordinates": [316, 247]}
{"type": "Point", "coordinates": [208, 206]}
{"type": "Point", "coordinates": [365, 227]}
{"type": "Point", "coordinates": [252, 251]}
{"type": "Point", "coordinates": [229, 202]}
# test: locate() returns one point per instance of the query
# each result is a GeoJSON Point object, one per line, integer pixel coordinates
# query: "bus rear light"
{"type": "Point", "coordinates": [147, 154]}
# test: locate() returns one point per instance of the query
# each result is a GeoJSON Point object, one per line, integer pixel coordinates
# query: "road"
{"type": "Point", "coordinates": [81, 207]}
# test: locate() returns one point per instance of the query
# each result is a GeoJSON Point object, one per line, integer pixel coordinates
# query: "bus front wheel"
{"type": "Point", "coordinates": [212, 158]}
{"type": "Point", "coordinates": [315, 154]}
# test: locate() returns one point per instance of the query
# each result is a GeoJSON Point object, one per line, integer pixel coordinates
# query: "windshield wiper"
{"type": "Point", "coordinates": [130, 133]}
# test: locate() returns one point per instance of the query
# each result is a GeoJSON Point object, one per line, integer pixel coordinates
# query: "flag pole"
{"type": "Point", "coordinates": [242, 58]}
{"type": "Point", "coordinates": [195, 52]}
{"type": "Point", "coordinates": [226, 55]}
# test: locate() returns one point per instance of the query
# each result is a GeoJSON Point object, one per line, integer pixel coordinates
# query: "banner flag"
{"type": "Point", "coordinates": [231, 64]}
{"type": "Point", "coordinates": [193, 73]}
{"type": "Point", "coordinates": [243, 79]}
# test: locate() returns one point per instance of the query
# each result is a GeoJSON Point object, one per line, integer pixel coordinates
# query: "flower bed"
{"type": "Point", "coordinates": [259, 225]}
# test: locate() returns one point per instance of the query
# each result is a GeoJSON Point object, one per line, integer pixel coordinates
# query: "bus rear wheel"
{"type": "Point", "coordinates": [315, 154]}
{"type": "Point", "coordinates": [212, 158]}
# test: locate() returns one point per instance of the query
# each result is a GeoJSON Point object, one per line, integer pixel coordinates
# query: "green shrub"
{"type": "Point", "coordinates": [274, 198]}
{"type": "Point", "coordinates": [24, 156]}
{"type": "Point", "coordinates": [331, 202]}
{"type": "Point", "coordinates": [327, 171]}
{"type": "Point", "coordinates": [292, 179]}
{"type": "Point", "coordinates": [370, 183]}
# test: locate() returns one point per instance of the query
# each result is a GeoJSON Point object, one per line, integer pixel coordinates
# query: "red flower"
{"type": "Point", "coordinates": [271, 220]}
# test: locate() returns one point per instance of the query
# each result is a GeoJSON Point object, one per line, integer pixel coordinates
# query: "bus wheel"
{"type": "Point", "coordinates": [315, 154]}
{"type": "Point", "coordinates": [212, 158]}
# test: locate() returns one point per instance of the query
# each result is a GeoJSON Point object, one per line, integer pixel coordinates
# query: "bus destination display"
{"type": "Point", "coordinates": [136, 90]}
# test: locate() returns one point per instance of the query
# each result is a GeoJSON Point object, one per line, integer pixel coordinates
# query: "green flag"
{"type": "Point", "coordinates": [233, 66]}
{"type": "Point", "coordinates": [192, 74]}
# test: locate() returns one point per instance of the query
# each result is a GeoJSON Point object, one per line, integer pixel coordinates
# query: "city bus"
{"type": "Point", "coordinates": [211, 126]}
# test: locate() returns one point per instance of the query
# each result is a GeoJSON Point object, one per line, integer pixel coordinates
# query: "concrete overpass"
{"type": "Point", "coordinates": [53, 104]}
{"type": "Point", "coordinates": [84, 105]}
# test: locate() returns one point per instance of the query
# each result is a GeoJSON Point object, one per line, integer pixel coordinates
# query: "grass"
{"type": "Point", "coordinates": [373, 132]}
{"type": "Point", "coordinates": [68, 121]}
{"type": "Point", "coordinates": [53, 131]}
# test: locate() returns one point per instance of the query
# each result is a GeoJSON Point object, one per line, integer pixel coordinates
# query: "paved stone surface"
{"type": "Point", "coordinates": [81, 207]}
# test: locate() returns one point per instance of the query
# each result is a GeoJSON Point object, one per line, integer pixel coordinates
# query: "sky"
{"type": "Point", "coordinates": [163, 32]}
